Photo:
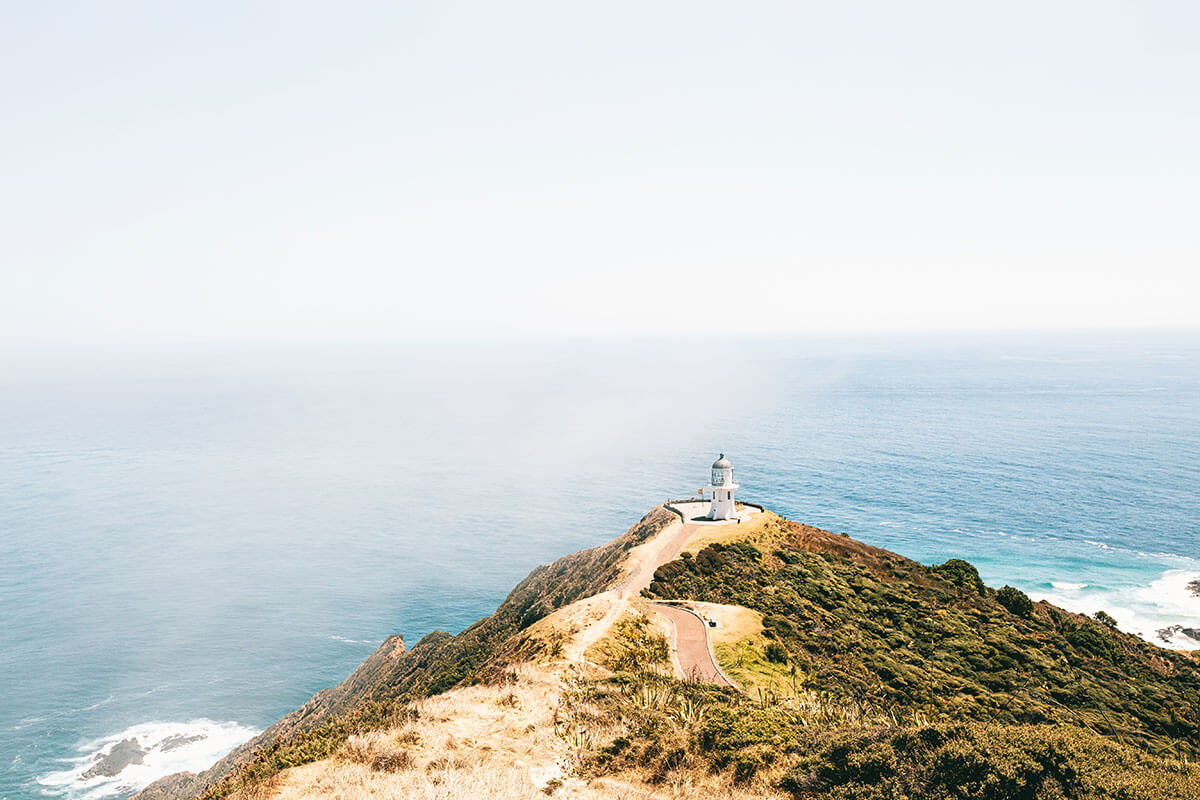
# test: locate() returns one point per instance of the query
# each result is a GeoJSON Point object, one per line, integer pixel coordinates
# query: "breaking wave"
{"type": "Point", "coordinates": [1165, 612]}
{"type": "Point", "coordinates": [129, 761]}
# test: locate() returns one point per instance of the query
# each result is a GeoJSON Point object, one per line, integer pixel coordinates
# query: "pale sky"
{"type": "Point", "coordinates": [298, 170]}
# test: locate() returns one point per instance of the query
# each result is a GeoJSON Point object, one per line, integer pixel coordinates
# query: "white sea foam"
{"type": "Point", "coordinates": [1171, 593]}
{"type": "Point", "coordinates": [96, 705]}
{"type": "Point", "coordinates": [1157, 612]}
{"type": "Point", "coordinates": [27, 721]}
{"type": "Point", "coordinates": [171, 747]}
{"type": "Point", "coordinates": [337, 638]}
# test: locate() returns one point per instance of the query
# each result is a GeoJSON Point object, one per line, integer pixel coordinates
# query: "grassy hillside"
{"type": "Point", "coordinates": [898, 637]}
{"type": "Point", "coordinates": [819, 747]}
{"type": "Point", "coordinates": [867, 676]}
{"type": "Point", "coordinates": [377, 695]}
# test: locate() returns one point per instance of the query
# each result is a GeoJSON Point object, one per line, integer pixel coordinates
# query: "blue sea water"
{"type": "Point", "coordinates": [195, 541]}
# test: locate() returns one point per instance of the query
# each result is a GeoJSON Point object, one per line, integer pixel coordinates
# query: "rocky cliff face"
{"type": "Point", "coordinates": [393, 675]}
{"type": "Point", "coordinates": [321, 707]}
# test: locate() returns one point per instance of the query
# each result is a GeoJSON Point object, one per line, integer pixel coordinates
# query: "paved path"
{"type": "Point", "coordinates": [691, 635]}
{"type": "Point", "coordinates": [691, 645]}
{"type": "Point", "coordinates": [616, 601]}
{"type": "Point", "coordinates": [692, 653]}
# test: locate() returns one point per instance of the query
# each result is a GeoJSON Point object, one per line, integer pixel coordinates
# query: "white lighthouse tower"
{"type": "Point", "coordinates": [722, 490]}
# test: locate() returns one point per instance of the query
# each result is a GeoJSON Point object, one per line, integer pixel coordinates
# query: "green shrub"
{"type": "Point", "coordinates": [776, 653]}
{"type": "Point", "coordinates": [1092, 640]}
{"type": "Point", "coordinates": [985, 762]}
{"type": "Point", "coordinates": [1015, 601]}
{"type": "Point", "coordinates": [882, 633]}
{"type": "Point", "coordinates": [960, 573]}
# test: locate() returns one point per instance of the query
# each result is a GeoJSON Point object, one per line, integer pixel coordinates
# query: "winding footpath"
{"type": "Point", "coordinates": [692, 653]}
{"type": "Point", "coordinates": [691, 650]}
{"type": "Point", "coordinates": [690, 647]}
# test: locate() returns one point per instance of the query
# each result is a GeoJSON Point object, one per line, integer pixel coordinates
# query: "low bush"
{"type": "Point", "coordinates": [984, 762]}
{"type": "Point", "coordinates": [880, 633]}
{"type": "Point", "coordinates": [1015, 601]}
{"type": "Point", "coordinates": [960, 573]}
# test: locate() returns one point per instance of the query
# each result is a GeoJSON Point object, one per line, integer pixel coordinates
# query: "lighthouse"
{"type": "Point", "coordinates": [722, 490]}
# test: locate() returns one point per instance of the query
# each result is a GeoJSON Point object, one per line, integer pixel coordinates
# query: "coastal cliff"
{"type": "Point", "coordinates": [860, 674]}
{"type": "Point", "coordinates": [377, 692]}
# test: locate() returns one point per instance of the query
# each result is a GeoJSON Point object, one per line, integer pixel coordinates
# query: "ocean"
{"type": "Point", "coordinates": [194, 540]}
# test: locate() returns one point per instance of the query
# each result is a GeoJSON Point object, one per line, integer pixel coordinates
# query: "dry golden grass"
{"type": "Point", "coordinates": [479, 741]}
{"type": "Point", "coordinates": [477, 780]}
{"type": "Point", "coordinates": [503, 742]}
{"type": "Point", "coordinates": [520, 739]}
{"type": "Point", "coordinates": [763, 529]}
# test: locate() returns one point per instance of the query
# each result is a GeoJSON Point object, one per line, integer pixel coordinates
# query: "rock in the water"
{"type": "Point", "coordinates": [1166, 634]}
{"type": "Point", "coordinates": [1194, 586]}
{"type": "Point", "coordinates": [123, 753]}
{"type": "Point", "coordinates": [178, 740]}
{"type": "Point", "coordinates": [1171, 631]}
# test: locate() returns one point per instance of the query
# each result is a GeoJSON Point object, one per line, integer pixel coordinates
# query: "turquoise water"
{"type": "Point", "coordinates": [195, 542]}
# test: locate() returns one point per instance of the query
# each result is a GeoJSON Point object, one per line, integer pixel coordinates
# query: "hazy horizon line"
{"type": "Point", "coordinates": [924, 336]}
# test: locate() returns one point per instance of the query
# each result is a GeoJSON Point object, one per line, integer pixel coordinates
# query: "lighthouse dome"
{"type": "Point", "coordinates": [722, 463]}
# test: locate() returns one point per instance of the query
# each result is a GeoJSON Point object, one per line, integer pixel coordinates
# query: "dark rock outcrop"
{"type": "Point", "coordinates": [123, 754]}
{"type": "Point", "coordinates": [178, 740]}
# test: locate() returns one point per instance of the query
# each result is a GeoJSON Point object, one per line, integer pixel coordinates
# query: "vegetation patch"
{"type": "Point", "coordinates": [868, 677]}
{"type": "Point", "coordinates": [983, 762]}
{"type": "Point", "coordinates": [633, 645]}
{"type": "Point", "coordinates": [896, 638]}
{"type": "Point", "coordinates": [746, 662]}
{"type": "Point", "coordinates": [823, 749]}
{"type": "Point", "coordinates": [439, 662]}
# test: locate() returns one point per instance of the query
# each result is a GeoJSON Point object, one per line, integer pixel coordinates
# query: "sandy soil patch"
{"type": "Point", "coordinates": [734, 623]}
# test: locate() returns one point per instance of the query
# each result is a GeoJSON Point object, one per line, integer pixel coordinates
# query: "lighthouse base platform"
{"type": "Point", "coordinates": [696, 511]}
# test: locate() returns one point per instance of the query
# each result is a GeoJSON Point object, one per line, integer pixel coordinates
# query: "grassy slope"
{"type": "Point", "coordinates": [377, 695]}
{"type": "Point", "coordinates": [930, 648]}
{"type": "Point", "coordinates": [893, 680]}
{"type": "Point", "coordinates": [820, 750]}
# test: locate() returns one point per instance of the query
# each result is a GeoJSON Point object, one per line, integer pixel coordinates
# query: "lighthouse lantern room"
{"type": "Point", "coordinates": [722, 490]}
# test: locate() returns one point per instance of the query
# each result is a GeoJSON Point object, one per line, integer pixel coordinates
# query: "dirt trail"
{"type": "Point", "coordinates": [603, 610]}
{"type": "Point", "coordinates": [669, 550]}
{"type": "Point", "coordinates": [599, 613]}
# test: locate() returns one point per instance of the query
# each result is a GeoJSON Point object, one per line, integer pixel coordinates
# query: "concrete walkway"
{"type": "Point", "coordinates": [691, 650]}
